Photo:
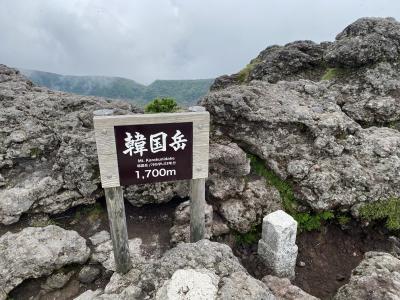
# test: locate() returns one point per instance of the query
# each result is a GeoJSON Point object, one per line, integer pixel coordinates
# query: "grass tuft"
{"type": "Point", "coordinates": [244, 74]}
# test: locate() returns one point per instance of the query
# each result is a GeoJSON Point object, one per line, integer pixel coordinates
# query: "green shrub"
{"type": "Point", "coordinates": [384, 209]}
{"type": "Point", "coordinates": [161, 105]}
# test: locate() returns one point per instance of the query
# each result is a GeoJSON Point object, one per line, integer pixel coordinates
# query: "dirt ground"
{"type": "Point", "coordinates": [329, 256]}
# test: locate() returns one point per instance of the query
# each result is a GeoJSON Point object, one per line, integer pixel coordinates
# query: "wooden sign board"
{"type": "Point", "coordinates": [145, 148]}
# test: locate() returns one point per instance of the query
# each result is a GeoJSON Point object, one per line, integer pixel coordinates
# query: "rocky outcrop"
{"type": "Point", "coordinates": [376, 277]}
{"type": "Point", "coordinates": [335, 137]}
{"type": "Point", "coordinates": [185, 269]}
{"type": "Point", "coordinates": [180, 231]}
{"type": "Point", "coordinates": [159, 192]}
{"type": "Point", "coordinates": [241, 198]}
{"type": "Point", "coordinates": [366, 41]}
{"type": "Point", "coordinates": [37, 251]}
{"type": "Point", "coordinates": [103, 250]}
{"type": "Point", "coordinates": [48, 159]}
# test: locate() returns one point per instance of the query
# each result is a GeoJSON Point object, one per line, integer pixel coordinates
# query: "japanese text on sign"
{"type": "Point", "coordinates": [154, 152]}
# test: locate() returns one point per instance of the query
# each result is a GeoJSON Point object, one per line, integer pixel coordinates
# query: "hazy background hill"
{"type": "Point", "coordinates": [186, 92]}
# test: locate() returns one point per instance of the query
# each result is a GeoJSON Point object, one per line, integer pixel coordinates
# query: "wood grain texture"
{"type": "Point", "coordinates": [119, 232]}
{"type": "Point", "coordinates": [197, 210]}
{"type": "Point", "coordinates": [106, 149]}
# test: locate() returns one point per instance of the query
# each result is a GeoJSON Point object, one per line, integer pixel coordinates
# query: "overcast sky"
{"type": "Point", "coordinates": [159, 39]}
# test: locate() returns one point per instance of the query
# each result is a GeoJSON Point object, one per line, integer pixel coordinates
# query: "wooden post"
{"type": "Point", "coordinates": [119, 232]}
{"type": "Point", "coordinates": [197, 209]}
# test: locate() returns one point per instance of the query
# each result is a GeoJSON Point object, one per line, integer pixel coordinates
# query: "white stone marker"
{"type": "Point", "coordinates": [277, 246]}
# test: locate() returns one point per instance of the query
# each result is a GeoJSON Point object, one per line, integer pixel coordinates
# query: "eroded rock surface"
{"type": "Point", "coordinates": [336, 139]}
{"type": "Point", "coordinates": [103, 250]}
{"type": "Point", "coordinates": [284, 290]}
{"type": "Point", "coordinates": [37, 251]}
{"type": "Point", "coordinates": [48, 159]}
{"type": "Point", "coordinates": [240, 198]}
{"type": "Point", "coordinates": [213, 262]}
{"type": "Point", "coordinates": [376, 277]}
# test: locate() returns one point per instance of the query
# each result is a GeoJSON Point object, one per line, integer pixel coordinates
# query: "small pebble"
{"type": "Point", "coordinates": [301, 264]}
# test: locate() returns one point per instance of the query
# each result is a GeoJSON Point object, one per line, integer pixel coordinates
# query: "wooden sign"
{"type": "Point", "coordinates": [143, 148]}
{"type": "Point", "coordinates": [147, 148]}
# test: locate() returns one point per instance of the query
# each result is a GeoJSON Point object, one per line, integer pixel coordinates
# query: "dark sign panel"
{"type": "Point", "coordinates": [154, 152]}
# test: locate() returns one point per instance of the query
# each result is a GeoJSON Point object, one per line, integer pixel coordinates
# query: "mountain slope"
{"type": "Point", "coordinates": [186, 92]}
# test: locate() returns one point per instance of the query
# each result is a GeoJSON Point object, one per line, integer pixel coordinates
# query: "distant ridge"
{"type": "Point", "coordinates": [186, 92]}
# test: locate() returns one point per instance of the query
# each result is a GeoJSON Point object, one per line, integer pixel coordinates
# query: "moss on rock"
{"type": "Point", "coordinates": [307, 221]}
{"type": "Point", "coordinates": [384, 209]}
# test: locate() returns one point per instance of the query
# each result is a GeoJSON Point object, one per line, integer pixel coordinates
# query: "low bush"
{"type": "Point", "coordinates": [161, 105]}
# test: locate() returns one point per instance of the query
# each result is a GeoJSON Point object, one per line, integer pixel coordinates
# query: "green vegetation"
{"type": "Point", "coordinates": [332, 73]}
{"type": "Point", "coordinates": [161, 105]}
{"type": "Point", "coordinates": [250, 237]}
{"type": "Point", "coordinates": [383, 209]}
{"type": "Point", "coordinates": [329, 74]}
{"type": "Point", "coordinates": [244, 74]}
{"type": "Point", "coordinates": [186, 92]}
{"type": "Point", "coordinates": [306, 221]}
{"type": "Point", "coordinates": [35, 152]}
{"type": "Point", "coordinates": [343, 219]}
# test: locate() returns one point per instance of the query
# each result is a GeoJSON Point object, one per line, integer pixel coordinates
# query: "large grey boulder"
{"type": "Point", "coordinates": [376, 277]}
{"type": "Point", "coordinates": [292, 61]}
{"type": "Point", "coordinates": [36, 252]}
{"type": "Point", "coordinates": [366, 41]}
{"type": "Point", "coordinates": [305, 136]}
{"type": "Point", "coordinates": [336, 140]}
{"type": "Point", "coordinates": [186, 268]}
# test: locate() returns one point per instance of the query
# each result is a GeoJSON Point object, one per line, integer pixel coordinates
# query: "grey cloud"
{"type": "Point", "coordinates": [160, 39]}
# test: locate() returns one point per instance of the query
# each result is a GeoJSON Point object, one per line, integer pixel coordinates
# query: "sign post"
{"type": "Point", "coordinates": [147, 148]}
